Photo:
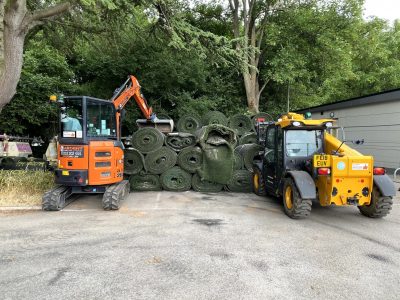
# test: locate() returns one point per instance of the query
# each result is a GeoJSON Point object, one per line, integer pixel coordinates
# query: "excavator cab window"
{"type": "Point", "coordinates": [100, 119]}
{"type": "Point", "coordinates": [303, 143]}
{"type": "Point", "coordinates": [71, 118]}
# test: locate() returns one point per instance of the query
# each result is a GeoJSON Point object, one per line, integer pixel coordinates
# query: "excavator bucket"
{"type": "Point", "coordinates": [164, 125]}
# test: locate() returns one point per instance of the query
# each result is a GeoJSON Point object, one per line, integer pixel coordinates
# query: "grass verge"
{"type": "Point", "coordinates": [20, 188]}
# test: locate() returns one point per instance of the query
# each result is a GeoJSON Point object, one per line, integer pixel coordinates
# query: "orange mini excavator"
{"type": "Point", "coordinates": [90, 151]}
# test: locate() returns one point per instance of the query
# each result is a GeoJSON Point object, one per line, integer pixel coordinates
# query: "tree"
{"type": "Point", "coordinates": [16, 21]}
{"type": "Point", "coordinates": [249, 21]}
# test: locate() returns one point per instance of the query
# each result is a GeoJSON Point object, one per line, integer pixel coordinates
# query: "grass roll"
{"type": "Point", "coordinates": [205, 186]}
{"type": "Point", "coordinates": [188, 123]}
{"type": "Point", "coordinates": [176, 179]}
{"type": "Point", "coordinates": [159, 161]}
{"type": "Point", "coordinates": [145, 182]}
{"type": "Point", "coordinates": [147, 139]}
{"type": "Point", "coordinates": [215, 117]}
{"type": "Point", "coordinates": [241, 182]}
{"type": "Point", "coordinates": [248, 138]}
{"type": "Point", "coordinates": [249, 152]}
{"type": "Point", "coordinates": [238, 163]}
{"type": "Point", "coordinates": [179, 140]}
{"type": "Point", "coordinates": [190, 159]}
{"type": "Point", "coordinates": [241, 123]}
{"type": "Point", "coordinates": [133, 161]}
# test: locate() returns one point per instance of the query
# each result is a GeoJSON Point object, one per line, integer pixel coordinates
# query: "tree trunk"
{"type": "Point", "coordinates": [252, 92]}
{"type": "Point", "coordinates": [15, 22]}
{"type": "Point", "coordinates": [12, 53]}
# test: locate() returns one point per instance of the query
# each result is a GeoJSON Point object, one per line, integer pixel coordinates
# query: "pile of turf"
{"type": "Point", "coordinates": [203, 158]}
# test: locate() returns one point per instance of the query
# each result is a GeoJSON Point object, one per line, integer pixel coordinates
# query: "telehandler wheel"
{"type": "Point", "coordinates": [379, 207]}
{"type": "Point", "coordinates": [258, 183]}
{"type": "Point", "coordinates": [295, 206]}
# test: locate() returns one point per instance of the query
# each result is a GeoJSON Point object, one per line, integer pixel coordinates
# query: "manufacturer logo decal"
{"type": "Point", "coordinates": [359, 166]}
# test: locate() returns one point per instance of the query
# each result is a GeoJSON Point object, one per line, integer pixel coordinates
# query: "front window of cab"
{"type": "Point", "coordinates": [71, 118]}
{"type": "Point", "coordinates": [303, 143]}
{"type": "Point", "coordinates": [100, 119]}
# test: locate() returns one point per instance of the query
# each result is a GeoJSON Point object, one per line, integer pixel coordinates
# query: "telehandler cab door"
{"type": "Point", "coordinates": [272, 160]}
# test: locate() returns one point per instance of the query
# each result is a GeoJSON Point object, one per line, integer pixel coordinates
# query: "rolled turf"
{"type": "Point", "coordinates": [190, 159]}
{"type": "Point", "coordinates": [176, 179]}
{"type": "Point", "coordinates": [179, 140]}
{"type": "Point", "coordinates": [188, 123]}
{"type": "Point", "coordinates": [159, 161]}
{"type": "Point", "coordinates": [248, 138]}
{"type": "Point", "coordinates": [145, 182]}
{"type": "Point", "coordinates": [249, 152]}
{"type": "Point", "coordinates": [133, 161]}
{"type": "Point", "coordinates": [215, 117]}
{"type": "Point", "coordinates": [241, 123]}
{"type": "Point", "coordinates": [205, 186]}
{"type": "Point", "coordinates": [241, 182]}
{"type": "Point", "coordinates": [147, 139]}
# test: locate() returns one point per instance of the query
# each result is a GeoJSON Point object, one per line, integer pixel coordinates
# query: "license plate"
{"type": "Point", "coordinates": [321, 161]}
{"type": "Point", "coordinates": [65, 173]}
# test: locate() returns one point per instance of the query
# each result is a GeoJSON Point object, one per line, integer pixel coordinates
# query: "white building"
{"type": "Point", "coordinates": [374, 118]}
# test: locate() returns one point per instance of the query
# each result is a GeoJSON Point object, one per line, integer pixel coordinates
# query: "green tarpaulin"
{"type": "Point", "coordinates": [205, 186]}
{"type": "Point", "coordinates": [217, 143]}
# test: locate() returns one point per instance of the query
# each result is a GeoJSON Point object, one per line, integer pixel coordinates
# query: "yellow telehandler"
{"type": "Point", "coordinates": [303, 161]}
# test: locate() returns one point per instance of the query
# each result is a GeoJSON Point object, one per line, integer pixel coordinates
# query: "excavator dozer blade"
{"type": "Point", "coordinates": [165, 126]}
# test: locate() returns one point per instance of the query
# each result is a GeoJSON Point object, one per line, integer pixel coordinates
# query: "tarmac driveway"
{"type": "Point", "coordinates": [164, 245]}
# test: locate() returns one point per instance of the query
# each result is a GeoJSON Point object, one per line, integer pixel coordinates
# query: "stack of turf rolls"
{"type": "Point", "coordinates": [206, 154]}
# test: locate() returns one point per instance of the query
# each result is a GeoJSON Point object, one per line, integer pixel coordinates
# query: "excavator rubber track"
{"type": "Point", "coordinates": [114, 194]}
{"type": "Point", "coordinates": [57, 198]}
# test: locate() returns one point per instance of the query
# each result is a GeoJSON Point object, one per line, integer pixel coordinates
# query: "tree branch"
{"type": "Point", "coordinates": [51, 11]}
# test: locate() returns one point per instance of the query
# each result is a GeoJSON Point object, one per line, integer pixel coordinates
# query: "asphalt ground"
{"type": "Point", "coordinates": [164, 245]}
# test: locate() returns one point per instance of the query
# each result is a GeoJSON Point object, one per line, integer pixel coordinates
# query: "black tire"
{"type": "Point", "coordinates": [258, 182]}
{"type": "Point", "coordinates": [296, 207]}
{"type": "Point", "coordinates": [379, 207]}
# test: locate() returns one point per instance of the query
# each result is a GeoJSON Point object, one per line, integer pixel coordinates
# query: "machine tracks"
{"type": "Point", "coordinates": [114, 194]}
{"type": "Point", "coordinates": [56, 199]}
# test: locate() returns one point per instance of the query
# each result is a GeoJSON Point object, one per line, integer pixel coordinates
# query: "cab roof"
{"type": "Point", "coordinates": [288, 119]}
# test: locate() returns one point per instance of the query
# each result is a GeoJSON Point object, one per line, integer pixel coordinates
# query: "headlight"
{"type": "Point", "coordinates": [328, 124]}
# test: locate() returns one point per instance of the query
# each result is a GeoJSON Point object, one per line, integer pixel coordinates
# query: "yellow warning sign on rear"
{"type": "Point", "coordinates": [322, 160]}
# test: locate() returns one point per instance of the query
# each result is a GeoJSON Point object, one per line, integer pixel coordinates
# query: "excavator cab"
{"type": "Point", "coordinates": [302, 162]}
{"type": "Point", "coordinates": [90, 153]}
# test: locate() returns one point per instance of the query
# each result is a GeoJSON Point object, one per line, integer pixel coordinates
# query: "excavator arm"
{"type": "Point", "coordinates": [131, 88]}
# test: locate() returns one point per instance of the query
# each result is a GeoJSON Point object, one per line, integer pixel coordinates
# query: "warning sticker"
{"type": "Point", "coordinates": [71, 151]}
{"type": "Point", "coordinates": [359, 166]}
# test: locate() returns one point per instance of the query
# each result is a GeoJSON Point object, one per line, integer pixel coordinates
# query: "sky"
{"type": "Point", "coordinates": [384, 9]}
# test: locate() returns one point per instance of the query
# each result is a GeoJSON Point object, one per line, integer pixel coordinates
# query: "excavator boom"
{"type": "Point", "coordinates": [131, 88]}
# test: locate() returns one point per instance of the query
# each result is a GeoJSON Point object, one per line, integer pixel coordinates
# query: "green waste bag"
{"type": "Point", "coordinates": [217, 143]}
{"type": "Point", "coordinates": [179, 140]}
{"type": "Point", "coordinates": [205, 186]}
{"type": "Point", "coordinates": [241, 182]}
{"type": "Point", "coordinates": [147, 139]}
{"type": "Point", "coordinates": [248, 138]}
{"type": "Point", "coordinates": [241, 123]}
{"type": "Point", "coordinates": [159, 161]}
{"type": "Point", "coordinates": [176, 179]}
{"type": "Point", "coordinates": [189, 124]}
{"type": "Point", "coordinates": [133, 161]}
{"type": "Point", "coordinates": [248, 153]}
{"type": "Point", "coordinates": [215, 117]}
{"type": "Point", "coordinates": [190, 159]}
{"type": "Point", "coordinates": [145, 182]}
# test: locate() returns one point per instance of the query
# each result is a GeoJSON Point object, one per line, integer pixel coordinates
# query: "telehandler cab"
{"type": "Point", "coordinates": [303, 161]}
